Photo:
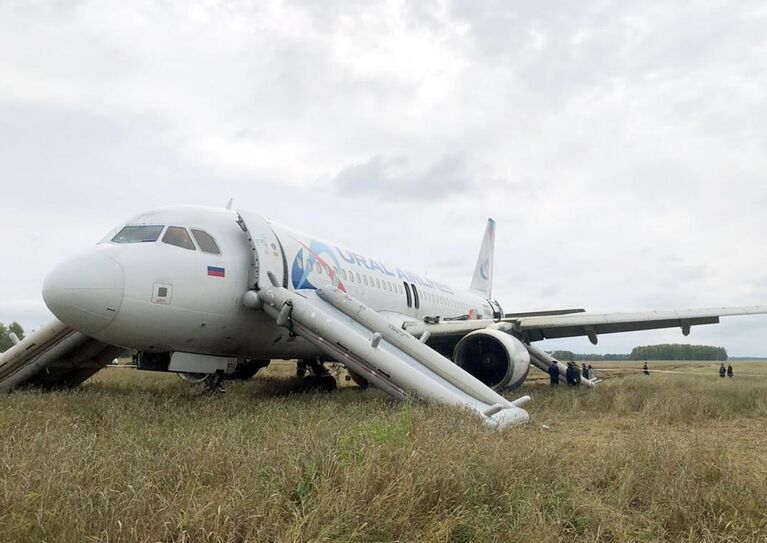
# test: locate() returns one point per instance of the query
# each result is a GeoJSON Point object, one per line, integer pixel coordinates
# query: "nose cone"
{"type": "Point", "coordinates": [85, 292]}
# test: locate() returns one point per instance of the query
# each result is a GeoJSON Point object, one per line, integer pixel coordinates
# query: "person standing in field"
{"type": "Point", "coordinates": [591, 372]}
{"type": "Point", "coordinates": [722, 371]}
{"type": "Point", "coordinates": [645, 369]}
{"type": "Point", "coordinates": [585, 371]}
{"type": "Point", "coordinates": [554, 373]}
{"type": "Point", "coordinates": [729, 370]}
{"type": "Point", "coordinates": [576, 375]}
{"type": "Point", "coordinates": [570, 374]}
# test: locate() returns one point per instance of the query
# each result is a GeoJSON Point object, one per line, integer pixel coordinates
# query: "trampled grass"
{"type": "Point", "coordinates": [132, 456]}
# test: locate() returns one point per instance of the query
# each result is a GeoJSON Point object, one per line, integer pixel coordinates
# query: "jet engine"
{"type": "Point", "coordinates": [497, 359]}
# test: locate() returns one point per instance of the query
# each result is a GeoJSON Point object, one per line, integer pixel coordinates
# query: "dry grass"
{"type": "Point", "coordinates": [143, 457]}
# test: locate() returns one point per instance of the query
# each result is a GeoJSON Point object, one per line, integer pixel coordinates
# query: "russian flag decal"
{"type": "Point", "coordinates": [215, 271]}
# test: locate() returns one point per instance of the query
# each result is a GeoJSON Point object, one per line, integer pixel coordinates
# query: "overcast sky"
{"type": "Point", "coordinates": [622, 147]}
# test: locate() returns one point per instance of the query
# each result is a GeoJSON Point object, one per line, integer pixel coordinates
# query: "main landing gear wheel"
{"type": "Point", "coordinates": [319, 376]}
{"type": "Point", "coordinates": [327, 382]}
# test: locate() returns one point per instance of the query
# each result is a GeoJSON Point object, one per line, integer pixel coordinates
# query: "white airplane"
{"type": "Point", "coordinates": [199, 290]}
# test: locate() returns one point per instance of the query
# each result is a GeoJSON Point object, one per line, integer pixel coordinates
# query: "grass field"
{"type": "Point", "coordinates": [133, 456]}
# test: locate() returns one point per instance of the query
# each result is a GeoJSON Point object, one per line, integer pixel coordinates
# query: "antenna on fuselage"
{"type": "Point", "coordinates": [230, 204]}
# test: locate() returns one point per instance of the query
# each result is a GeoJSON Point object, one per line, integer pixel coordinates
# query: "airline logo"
{"type": "Point", "coordinates": [215, 271]}
{"type": "Point", "coordinates": [484, 269]}
{"type": "Point", "coordinates": [318, 255]}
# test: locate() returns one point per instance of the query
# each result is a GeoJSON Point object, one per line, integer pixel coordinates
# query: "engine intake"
{"type": "Point", "coordinates": [497, 359]}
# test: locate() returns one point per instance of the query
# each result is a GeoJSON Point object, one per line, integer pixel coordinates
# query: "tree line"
{"type": "Point", "coordinates": [679, 352]}
{"type": "Point", "coordinates": [5, 335]}
{"type": "Point", "coordinates": [666, 351]}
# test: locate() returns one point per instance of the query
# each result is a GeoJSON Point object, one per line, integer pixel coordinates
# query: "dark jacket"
{"type": "Point", "coordinates": [554, 372]}
{"type": "Point", "coordinates": [570, 375]}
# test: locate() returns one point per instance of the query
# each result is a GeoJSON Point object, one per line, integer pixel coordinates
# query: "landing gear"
{"type": "Point", "coordinates": [244, 371]}
{"type": "Point", "coordinates": [319, 376]}
{"type": "Point", "coordinates": [328, 383]}
{"type": "Point", "coordinates": [213, 383]}
{"type": "Point", "coordinates": [247, 369]}
{"type": "Point", "coordinates": [193, 378]}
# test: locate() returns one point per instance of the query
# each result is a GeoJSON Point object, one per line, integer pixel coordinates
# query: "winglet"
{"type": "Point", "coordinates": [482, 282]}
{"type": "Point", "coordinates": [230, 203]}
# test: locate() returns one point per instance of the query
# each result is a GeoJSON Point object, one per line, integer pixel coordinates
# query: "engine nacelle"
{"type": "Point", "coordinates": [497, 359]}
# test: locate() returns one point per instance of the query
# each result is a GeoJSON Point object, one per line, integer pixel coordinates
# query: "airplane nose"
{"type": "Point", "coordinates": [85, 292]}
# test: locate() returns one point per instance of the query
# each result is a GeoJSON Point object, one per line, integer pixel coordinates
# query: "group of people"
{"type": "Point", "coordinates": [727, 372]}
{"type": "Point", "coordinates": [722, 370]}
{"type": "Point", "coordinates": [573, 374]}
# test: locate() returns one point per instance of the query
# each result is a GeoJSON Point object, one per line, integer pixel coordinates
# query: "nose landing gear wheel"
{"type": "Point", "coordinates": [193, 378]}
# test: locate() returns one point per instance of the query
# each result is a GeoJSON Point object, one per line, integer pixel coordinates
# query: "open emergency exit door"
{"type": "Point", "coordinates": [267, 252]}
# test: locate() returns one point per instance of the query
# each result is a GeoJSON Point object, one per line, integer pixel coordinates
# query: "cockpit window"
{"type": "Point", "coordinates": [206, 242]}
{"type": "Point", "coordinates": [138, 234]}
{"type": "Point", "coordinates": [175, 235]}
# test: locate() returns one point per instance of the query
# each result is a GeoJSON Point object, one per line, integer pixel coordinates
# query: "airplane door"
{"type": "Point", "coordinates": [268, 255]}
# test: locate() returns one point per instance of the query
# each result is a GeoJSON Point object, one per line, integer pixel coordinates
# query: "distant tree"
{"type": "Point", "coordinates": [5, 335]}
{"type": "Point", "coordinates": [563, 355]}
{"type": "Point", "coordinates": [17, 329]}
{"type": "Point", "coordinates": [679, 352]}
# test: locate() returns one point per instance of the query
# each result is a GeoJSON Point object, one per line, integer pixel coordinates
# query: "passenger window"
{"type": "Point", "coordinates": [206, 242]}
{"type": "Point", "coordinates": [310, 265]}
{"type": "Point", "coordinates": [415, 296]}
{"type": "Point", "coordinates": [138, 234]}
{"type": "Point", "coordinates": [365, 279]}
{"type": "Point", "coordinates": [407, 293]}
{"type": "Point", "coordinates": [343, 275]}
{"type": "Point", "coordinates": [175, 235]}
{"type": "Point", "coordinates": [319, 268]}
{"type": "Point", "coordinates": [358, 278]}
{"type": "Point", "coordinates": [378, 283]}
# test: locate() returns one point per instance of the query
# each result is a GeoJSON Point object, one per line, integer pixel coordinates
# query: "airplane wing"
{"type": "Point", "coordinates": [537, 328]}
{"type": "Point", "coordinates": [592, 325]}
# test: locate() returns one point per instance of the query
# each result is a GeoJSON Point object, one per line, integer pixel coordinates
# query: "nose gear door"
{"type": "Point", "coordinates": [267, 253]}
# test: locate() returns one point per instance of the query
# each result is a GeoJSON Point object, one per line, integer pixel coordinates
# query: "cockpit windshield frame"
{"type": "Point", "coordinates": [205, 241]}
{"type": "Point", "coordinates": [138, 233]}
{"type": "Point", "coordinates": [178, 236]}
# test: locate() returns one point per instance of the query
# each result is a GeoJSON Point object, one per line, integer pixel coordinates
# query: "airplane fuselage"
{"type": "Point", "coordinates": [164, 292]}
